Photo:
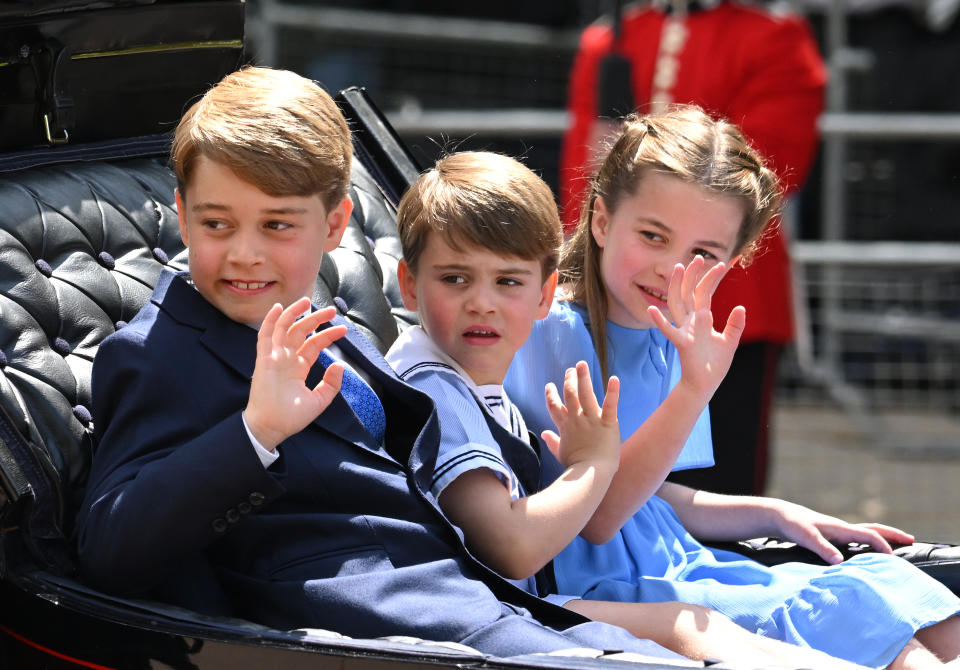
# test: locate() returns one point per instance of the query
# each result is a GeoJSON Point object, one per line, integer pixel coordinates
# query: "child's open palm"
{"type": "Point", "coordinates": [281, 404]}
{"type": "Point", "coordinates": [705, 354]}
{"type": "Point", "coordinates": [587, 430]}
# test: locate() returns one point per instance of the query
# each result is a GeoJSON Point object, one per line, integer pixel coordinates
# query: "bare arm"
{"type": "Point", "coordinates": [518, 537]}
{"type": "Point", "coordinates": [712, 516]}
{"type": "Point", "coordinates": [648, 455]}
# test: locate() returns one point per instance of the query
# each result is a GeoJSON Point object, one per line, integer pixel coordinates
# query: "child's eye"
{"type": "Point", "coordinates": [453, 279]}
{"type": "Point", "coordinates": [213, 224]}
{"type": "Point", "coordinates": [707, 256]}
{"type": "Point", "coordinates": [278, 225]}
{"type": "Point", "coordinates": [652, 236]}
{"type": "Point", "coordinates": [509, 281]}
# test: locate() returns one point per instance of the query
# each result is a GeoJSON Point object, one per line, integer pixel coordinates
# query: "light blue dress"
{"type": "Point", "coordinates": [863, 610]}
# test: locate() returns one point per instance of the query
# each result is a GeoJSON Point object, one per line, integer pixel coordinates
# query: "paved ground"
{"type": "Point", "coordinates": [901, 469]}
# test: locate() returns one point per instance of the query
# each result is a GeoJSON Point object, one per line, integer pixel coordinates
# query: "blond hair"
{"type": "Point", "coordinates": [485, 200]}
{"type": "Point", "coordinates": [274, 129]}
{"type": "Point", "coordinates": [682, 142]}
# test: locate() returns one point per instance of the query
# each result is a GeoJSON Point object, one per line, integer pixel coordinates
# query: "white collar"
{"type": "Point", "coordinates": [415, 352]}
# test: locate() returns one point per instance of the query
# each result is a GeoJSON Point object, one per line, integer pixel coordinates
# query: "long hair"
{"type": "Point", "coordinates": [683, 142]}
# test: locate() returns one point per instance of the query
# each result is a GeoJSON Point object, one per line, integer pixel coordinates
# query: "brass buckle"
{"type": "Point", "coordinates": [51, 139]}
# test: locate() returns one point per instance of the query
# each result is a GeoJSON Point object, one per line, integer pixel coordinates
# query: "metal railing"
{"type": "Point", "coordinates": [859, 294]}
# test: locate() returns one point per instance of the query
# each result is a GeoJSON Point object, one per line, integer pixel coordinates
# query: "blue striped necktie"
{"type": "Point", "coordinates": [361, 398]}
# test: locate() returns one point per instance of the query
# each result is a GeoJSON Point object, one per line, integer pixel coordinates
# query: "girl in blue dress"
{"type": "Point", "coordinates": [677, 200]}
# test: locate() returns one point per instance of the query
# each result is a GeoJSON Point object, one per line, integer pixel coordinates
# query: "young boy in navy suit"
{"type": "Point", "coordinates": [236, 472]}
{"type": "Point", "coordinates": [481, 237]}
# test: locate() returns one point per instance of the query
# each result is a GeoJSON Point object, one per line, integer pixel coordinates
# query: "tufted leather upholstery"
{"type": "Point", "coordinates": [81, 246]}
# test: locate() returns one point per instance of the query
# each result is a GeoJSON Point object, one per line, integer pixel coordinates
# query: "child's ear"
{"type": "Point", "coordinates": [337, 220]}
{"type": "Point", "coordinates": [408, 286]}
{"type": "Point", "coordinates": [600, 222]}
{"type": "Point", "coordinates": [546, 295]}
{"type": "Point", "coordinates": [182, 217]}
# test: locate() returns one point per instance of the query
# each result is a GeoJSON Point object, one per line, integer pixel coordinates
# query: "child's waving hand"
{"type": "Point", "coordinates": [587, 430]}
{"type": "Point", "coordinates": [705, 354]}
{"type": "Point", "coordinates": [280, 402]}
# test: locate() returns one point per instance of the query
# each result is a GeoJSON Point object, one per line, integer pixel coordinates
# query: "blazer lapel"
{"type": "Point", "coordinates": [362, 349]}
{"type": "Point", "coordinates": [410, 413]}
{"type": "Point", "coordinates": [233, 343]}
{"type": "Point", "coordinates": [339, 417]}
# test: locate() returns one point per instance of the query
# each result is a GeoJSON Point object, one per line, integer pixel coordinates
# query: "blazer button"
{"type": "Point", "coordinates": [257, 498]}
{"type": "Point", "coordinates": [219, 525]}
{"type": "Point", "coordinates": [232, 515]}
{"type": "Point", "coordinates": [245, 508]}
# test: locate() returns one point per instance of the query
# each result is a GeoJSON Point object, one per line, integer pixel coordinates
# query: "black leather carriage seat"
{"type": "Point", "coordinates": [81, 247]}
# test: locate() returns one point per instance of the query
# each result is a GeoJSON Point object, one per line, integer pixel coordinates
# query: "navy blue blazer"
{"type": "Point", "coordinates": [337, 534]}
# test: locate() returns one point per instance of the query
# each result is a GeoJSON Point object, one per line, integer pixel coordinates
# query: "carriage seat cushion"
{"type": "Point", "coordinates": [81, 247]}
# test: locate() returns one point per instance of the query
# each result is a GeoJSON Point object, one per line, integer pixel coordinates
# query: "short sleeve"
{"type": "Point", "coordinates": [466, 442]}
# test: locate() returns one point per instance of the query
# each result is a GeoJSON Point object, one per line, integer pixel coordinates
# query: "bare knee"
{"type": "Point", "coordinates": [915, 656]}
{"type": "Point", "coordinates": [943, 638]}
{"type": "Point", "coordinates": [692, 630]}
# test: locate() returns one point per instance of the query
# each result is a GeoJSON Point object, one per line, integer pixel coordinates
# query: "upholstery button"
{"type": "Point", "coordinates": [61, 346]}
{"type": "Point", "coordinates": [43, 267]}
{"type": "Point", "coordinates": [106, 260]}
{"type": "Point", "coordinates": [161, 255]}
{"type": "Point", "coordinates": [232, 515]}
{"type": "Point", "coordinates": [219, 525]}
{"type": "Point", "coordinates": [82, 413]}
{"type": "Point", "coordinates": [341, 304]}
{"type": "Point", "coordinates": [257, 498]}
{"type": "Point", "coordinates": [245, 508]}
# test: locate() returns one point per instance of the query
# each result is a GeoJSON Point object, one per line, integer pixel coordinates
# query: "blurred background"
{"type": "Point", "coordinates": [865, 418]}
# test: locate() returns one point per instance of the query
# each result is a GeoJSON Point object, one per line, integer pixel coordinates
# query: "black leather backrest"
{"type": "Point", "coordinates": [81, 247]}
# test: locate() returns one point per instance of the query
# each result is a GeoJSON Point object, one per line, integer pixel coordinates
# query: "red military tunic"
{"type": "Point", "coordinates": [756, 67]}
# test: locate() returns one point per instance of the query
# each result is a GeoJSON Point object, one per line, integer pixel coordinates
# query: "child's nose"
{"type": "Point", "coordinates": [244, 249]}
{"type": "Point", "coordinates": [479, 301]}
{"type": "Point", "coordinates": [665, 264]}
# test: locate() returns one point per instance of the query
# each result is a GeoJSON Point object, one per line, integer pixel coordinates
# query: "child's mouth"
{"type": "Point", "coordinates": [481, 334]}
{"type": "Point", "coordinates": [659, 295]}
{"type": "Point", "coordinates": [248, 285]}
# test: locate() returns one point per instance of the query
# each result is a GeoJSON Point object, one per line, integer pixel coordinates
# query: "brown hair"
{"type": "Point", "coordinates": [482, 199]}
{"type": "Point", "coordinates": [274, 129]}
{"type": "Point", "coordinates": [683, 142]}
